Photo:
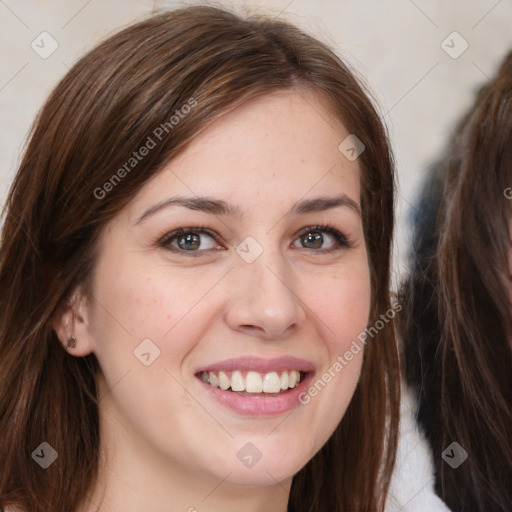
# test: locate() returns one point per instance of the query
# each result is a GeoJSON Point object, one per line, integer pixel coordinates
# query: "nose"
{"type": "Point", "coordinates": [264, 300]}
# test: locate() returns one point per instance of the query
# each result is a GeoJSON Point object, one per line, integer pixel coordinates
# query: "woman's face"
{"type": "Point", "coordinates": [219, 274]}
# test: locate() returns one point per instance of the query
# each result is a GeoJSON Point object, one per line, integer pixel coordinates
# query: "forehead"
{"type": "Point", "coordinates": [278, 147]}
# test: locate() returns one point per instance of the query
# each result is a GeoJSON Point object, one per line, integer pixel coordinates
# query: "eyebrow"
{"type": "Point", "coordinates": [220, 207]}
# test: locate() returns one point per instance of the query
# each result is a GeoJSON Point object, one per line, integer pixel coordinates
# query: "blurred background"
{"type": "Point", "coordinates": [423, 60]}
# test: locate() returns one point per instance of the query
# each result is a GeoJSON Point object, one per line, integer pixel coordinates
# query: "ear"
{"type": "Point", "coordinates": [72, 320]}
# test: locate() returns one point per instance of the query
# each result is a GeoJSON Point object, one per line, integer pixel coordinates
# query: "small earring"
{"type": "Point", "coordinates": [72, 341]}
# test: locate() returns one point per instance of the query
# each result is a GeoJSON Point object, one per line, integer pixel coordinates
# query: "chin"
{"type": "Point", "coordinates": [264, 475]}
{"type": "Point", "coordinates": [263, 466]}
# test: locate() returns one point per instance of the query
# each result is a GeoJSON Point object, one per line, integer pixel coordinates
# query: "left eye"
{"type": "Point", "coordinates": [320, 238]}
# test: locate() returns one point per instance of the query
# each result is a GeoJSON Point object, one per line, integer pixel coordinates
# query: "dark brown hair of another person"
{"type": "Point", "coordinates": [456, 322]}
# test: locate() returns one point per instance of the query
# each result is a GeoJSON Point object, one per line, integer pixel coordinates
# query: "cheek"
{"type": "Point", "coordinates": [149, 304]}
{"type": "Point", "coordinates": [343, 303]}
{"type": "Point", "coordinates": [343, 306]}
{"type": "Point", "coordinates": [157, 311]}
{"type": "Point", "coordinates": [144, 327]}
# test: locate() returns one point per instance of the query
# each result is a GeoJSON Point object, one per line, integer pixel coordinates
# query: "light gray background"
{"type": "Point", "coordinates": [397, 45]}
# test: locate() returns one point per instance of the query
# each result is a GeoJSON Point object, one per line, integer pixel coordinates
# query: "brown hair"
{"type": "Point", "coordinates": [457, 316]}
{"type": "Point", "coordinates": [105, 108]}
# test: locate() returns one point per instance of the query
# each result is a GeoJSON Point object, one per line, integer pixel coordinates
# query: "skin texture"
{"type": "Point", "coordinates": [165, 441]}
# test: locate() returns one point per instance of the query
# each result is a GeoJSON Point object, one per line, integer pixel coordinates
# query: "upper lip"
{"type": "Point", "coordinates": [259, 364]}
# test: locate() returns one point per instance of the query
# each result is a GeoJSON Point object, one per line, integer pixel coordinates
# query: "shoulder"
{"type": "Point", "coordinates": [412, 483]}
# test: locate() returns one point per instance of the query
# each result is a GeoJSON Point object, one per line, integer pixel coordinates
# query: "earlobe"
{"type": "Point", "coordinates": [71, 327]}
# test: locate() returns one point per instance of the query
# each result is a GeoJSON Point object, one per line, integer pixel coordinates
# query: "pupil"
{"type": "Point", "coordinates": [189, 242]}
{"type": "Point", "coordinates": [313, 240]}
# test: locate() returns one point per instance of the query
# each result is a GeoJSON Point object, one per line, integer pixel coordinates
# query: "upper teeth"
{"type": "Point", "coordinates": [253, 382]}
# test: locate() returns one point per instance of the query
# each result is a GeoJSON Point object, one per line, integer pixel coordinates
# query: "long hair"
{"type": "Point", "coordinates": [103, 110]}
{"type": "Point", "coordinates": [456, 324]}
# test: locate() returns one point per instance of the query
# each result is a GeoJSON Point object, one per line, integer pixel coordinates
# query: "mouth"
{"type": "Point", "coordinates": [257, 387]}
{"type": "Point", "coordinates": [252, 383]}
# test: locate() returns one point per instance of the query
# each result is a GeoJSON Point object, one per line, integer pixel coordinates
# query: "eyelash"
{"type": "Point", "coordinates": [342, 242]}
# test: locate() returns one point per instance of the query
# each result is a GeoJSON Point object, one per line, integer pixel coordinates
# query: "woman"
{"type": "Point", "coordinates": [199, 230]}
{"type": "Point", "coordinates": [457, 307]}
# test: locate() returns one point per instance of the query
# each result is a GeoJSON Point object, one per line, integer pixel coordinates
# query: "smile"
{"type": "Point", "coordinates": [257, 387]}
{"type": "Point", "coordinates": [253, 382]}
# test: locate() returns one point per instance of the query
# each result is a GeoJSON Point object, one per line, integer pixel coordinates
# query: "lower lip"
{"type": "Point", "coordinates": [259, 405]}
